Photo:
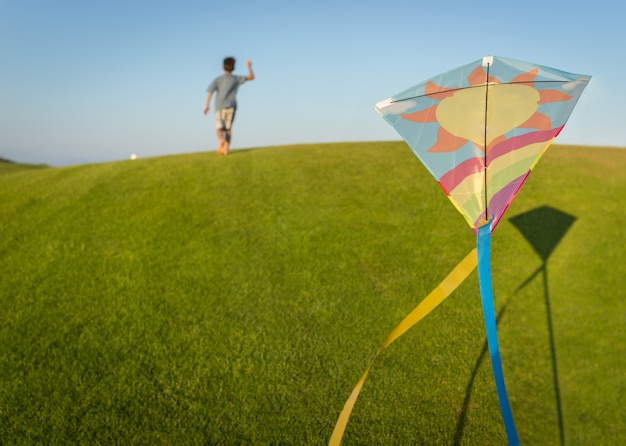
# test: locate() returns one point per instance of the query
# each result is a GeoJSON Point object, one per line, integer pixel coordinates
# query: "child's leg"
{"type": "Point", "coordinates": [226, 144]}
{"type": "Point", "coordinates": [228, 117]}
{"type": "Point", "coordinates": [220, 141]}
{"type": "Point", "coordinates": [220, 126]}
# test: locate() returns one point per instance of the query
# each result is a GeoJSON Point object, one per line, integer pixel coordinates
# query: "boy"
{"type": "Point", "coordinates": [226, 86]}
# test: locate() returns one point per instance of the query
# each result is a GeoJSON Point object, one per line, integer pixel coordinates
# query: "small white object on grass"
{"type": "Point", "coordinates": [133, 156]}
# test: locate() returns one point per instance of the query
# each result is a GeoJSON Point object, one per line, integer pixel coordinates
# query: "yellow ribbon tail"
{"type": "Point", "coordinates": [438, 295]}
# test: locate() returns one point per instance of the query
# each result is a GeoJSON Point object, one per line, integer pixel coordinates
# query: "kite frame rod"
{"type": "Point", "coordinates": [485, 143]}
{"type": "Point", "coordinates": [393, 101]}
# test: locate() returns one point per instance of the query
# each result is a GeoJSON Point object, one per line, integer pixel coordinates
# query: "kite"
{"type": "Point", "coordinates": [479, 129]}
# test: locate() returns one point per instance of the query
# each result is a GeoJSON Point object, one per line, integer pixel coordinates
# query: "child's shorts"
{"type": "Point", "coordinates": [224, 118]}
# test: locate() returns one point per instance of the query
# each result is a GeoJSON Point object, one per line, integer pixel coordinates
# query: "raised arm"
{"type": "Point", "coordinates": [250, 72]}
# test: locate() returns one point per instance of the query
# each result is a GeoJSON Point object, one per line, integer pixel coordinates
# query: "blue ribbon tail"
{"type": "Point", "coordinates": [486, 294]}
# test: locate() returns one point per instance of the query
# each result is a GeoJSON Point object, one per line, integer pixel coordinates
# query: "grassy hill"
{"type": "Point", "coordinates": [7, 166]}
{"type": "Point", "coordinates": [198, 299]}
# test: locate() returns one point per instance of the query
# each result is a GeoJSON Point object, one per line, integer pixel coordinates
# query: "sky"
{"type": "Point", "coordinates": [90, 82]}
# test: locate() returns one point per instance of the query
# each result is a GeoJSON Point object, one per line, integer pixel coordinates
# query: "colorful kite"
{"type": "Point", "coordinates": [479, 130]}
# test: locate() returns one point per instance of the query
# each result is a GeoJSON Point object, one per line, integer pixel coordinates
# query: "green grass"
{"type": "Point", "coordinates": [199, 299]}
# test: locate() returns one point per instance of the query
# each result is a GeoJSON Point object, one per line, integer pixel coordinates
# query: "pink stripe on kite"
{"type": "Point", "coordinates": [452, 178]}
{"type": "Point", "coordinates": [517, 142]}
{"type": "Point", "coordinates": [455, 176]}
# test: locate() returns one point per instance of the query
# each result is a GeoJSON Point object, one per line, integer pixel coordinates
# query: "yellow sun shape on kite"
{"type": "Point", "coordinates": [461, 113]}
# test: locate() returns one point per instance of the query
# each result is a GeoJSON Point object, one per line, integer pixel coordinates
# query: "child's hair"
{"type": "Point", "coordinates": [229, 64]}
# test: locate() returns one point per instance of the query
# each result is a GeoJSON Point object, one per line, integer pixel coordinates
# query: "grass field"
{"type": "Point", "coordinates": [198, 299]}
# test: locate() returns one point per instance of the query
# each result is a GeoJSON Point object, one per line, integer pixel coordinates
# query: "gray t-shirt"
{"type": "Point", "coordinates": [226, 87]}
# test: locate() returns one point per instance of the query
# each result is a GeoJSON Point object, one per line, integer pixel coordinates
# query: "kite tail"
{"type": "Point", "coordinates": [430, 302]}
{"type": "Point", "coordinates": [486, 294]}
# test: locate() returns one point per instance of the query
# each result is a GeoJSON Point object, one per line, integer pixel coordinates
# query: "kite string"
{"type": "Point", "coordinates": [438, 295]}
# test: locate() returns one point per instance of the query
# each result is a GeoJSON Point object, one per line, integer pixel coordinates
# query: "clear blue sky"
{"type": "Point", "coordinates": [86, 81]}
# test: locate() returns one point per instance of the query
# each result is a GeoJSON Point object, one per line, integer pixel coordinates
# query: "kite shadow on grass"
{"type": "Point", "coordinates": [543, 228]}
